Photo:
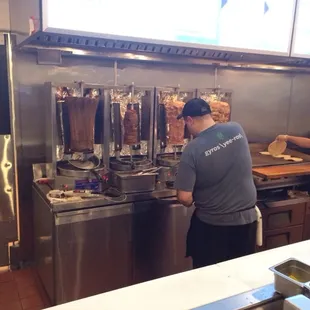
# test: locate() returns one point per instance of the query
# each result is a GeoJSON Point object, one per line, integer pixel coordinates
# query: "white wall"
{"type": "Point", "coordinates": [4, 15]}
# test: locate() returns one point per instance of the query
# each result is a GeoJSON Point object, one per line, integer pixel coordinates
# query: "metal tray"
{"type": "Point", "coordinates": [129, 183]}
{"type": "Point", "coordinates": [291, 277]}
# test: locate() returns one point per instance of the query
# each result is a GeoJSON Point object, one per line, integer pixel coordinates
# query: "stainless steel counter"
{"type": "Point", "coordinates": [87, 248]}
{"type": "Point", "coordinates": [96, 202]}
{"type": "Point", "coordinates": [98, 245]}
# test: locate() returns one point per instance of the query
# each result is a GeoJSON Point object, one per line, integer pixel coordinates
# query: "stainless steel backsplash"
{"type": "Point", "coordinates": [264, 103]}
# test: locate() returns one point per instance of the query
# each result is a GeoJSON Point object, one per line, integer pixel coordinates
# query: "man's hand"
{"type": "Point", "coordinates": [282, 138]}
{"type": "Point", "coordinates": [299, 141]}
{"type": "Point", "coordinates": [185, 198]}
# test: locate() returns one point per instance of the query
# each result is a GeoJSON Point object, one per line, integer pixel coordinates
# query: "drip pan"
{"type": "Point", "coordinates": [168, 160]}
{"type": "Point", "coordinates": [125, 163]}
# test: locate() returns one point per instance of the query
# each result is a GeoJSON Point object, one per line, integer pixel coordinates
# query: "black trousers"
{"type": "Point", "coordinates": [208, 244]}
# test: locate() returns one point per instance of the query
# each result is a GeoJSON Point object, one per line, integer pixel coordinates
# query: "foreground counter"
{"type": "Point", "coordinates": [196, 288]}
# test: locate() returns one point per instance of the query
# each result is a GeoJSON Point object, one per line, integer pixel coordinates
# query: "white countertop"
{"type": "Point", "coordinates": [197, 287]}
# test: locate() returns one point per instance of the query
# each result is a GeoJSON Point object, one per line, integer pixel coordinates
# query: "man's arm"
{"type": "Point", "coordinates": [299, 141]}
{"type": "Point", "coordinates": [186, 198]}
{"type": "Point", "coordinates": [186, 179]}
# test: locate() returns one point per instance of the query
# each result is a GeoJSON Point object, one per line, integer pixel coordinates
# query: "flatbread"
{"type": "Point", "coordinates": [264, 153]}
{"type": "Point", "coordinates": [277, 147]}
{"type": "Point", "coordinates": [296, 159]}
{"type": "Point", "coordinates": [282, 156]}
{"type": "Point", "coordinates": [287, 157]}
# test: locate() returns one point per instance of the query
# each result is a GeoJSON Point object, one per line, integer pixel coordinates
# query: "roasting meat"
{"type": "Point", "coordinates": [175, 128]}
{"type": "Point", "coordinates": [131, 124]}
{"type": "Point", "coordinates": [220, 111]}
{"type": "Point", "coordinates": [82, 112]}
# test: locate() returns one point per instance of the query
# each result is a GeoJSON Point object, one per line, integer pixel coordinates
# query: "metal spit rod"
{"type": "Point", "coordinates": [132, 91]}
{"type": "Point", "coordinates": [82, 88]}
{"type": "Point", "coordinates": [177, 90]}
{"type": "Point", "coordinates": [215, 77]}
{"type": "Point", "coordinates": [115, 72]}
{"type": "Point", "coordinates": [115, 68]}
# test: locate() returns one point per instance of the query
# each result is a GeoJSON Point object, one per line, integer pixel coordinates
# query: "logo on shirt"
{"type": "Point", "coordinates": [220, 136]}
{"type": "Point", "coordinates": [223, 144]}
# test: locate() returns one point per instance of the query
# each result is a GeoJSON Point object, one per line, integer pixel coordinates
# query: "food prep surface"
{"type": "Point", "coordinates": [198, 287]}
{"type": "Point", "coordinates": [260, 160]}
{"type": "Point", "coordinates": [274, 172]}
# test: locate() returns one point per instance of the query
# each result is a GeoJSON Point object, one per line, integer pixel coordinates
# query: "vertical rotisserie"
{"type": "Point", "coordinates": [131, 126]}
{"type": "Point", "coordinates": [82, 112]}
{"type": "Point", "coordinates": [220, 111]}
{"type": "Point", "coordinates": [175, 127]}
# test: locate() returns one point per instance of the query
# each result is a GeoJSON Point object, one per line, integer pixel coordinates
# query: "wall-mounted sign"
{"type": "Point", "coordinates": [301, 39]}
{"type": "Point", "coordinates": [259, 26]}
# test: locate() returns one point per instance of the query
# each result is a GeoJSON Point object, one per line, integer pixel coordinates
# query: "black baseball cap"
{"type": "Point", "coordinates": [195, 107]}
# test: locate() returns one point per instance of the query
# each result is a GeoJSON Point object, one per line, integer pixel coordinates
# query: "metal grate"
{"type": "Point", "coordinates": [44, 39]}
{"type": "Point", "coordinates": [81, 42]}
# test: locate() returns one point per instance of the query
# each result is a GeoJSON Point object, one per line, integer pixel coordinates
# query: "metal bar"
{"type": "Point", "coordinates": [53, 125]}
{"type": "Point", "coordinates": [290, 104]}
{"type": "Point", "coordinates": [115, 73]}
{"type": "Point", "coordinates": [215, 78]}
{"type": "Point", "coordinates": [172, 59]}
{"type": "Point", "coordinates": [153, 125]}
{"type": "Point", "coordinates": [9, 55]}
{"type": "Point", "coordinates": [106, 127]}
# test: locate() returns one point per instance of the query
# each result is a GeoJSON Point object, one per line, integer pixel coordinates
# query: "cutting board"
{"type": "Point", "coordinates": [275, 172]}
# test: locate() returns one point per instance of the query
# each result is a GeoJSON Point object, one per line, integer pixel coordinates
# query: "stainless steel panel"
{"type": "Point", "coordinates": [165, 75]}
{"type": "Point", "coordinates": [261, 101]}
{"type": "Point", "coordinates": [159, 235]}
{"type": "Point", "coordinates": [43, 244]}
{"type": "Point", "coordinates": [298, 120]}
{"type": "Point", "coordinates": [93, 253]}
{"type": "Point", "coordinates": [8, 217]}
{"type": "Point", "coordinates": [7, 205]}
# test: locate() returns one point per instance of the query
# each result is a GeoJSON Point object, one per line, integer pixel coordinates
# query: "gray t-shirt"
{"type": "Point", "coordinates": [217, 167]}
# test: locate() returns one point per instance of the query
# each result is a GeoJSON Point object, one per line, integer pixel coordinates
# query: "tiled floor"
{"type": "Point", "coordinates": [21, 290]}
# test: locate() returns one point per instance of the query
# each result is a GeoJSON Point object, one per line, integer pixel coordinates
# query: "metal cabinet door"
{"type": "Point", "coordinates": [160, 230]}
{"type": "Point", "coordinates": [93, 251]}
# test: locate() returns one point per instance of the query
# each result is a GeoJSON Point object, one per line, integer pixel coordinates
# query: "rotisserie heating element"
{"type": "Point", "coordinates": [82, 112]}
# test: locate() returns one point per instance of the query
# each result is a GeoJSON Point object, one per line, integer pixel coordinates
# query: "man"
{"type": "Point", "coordinates": [215, 174]}
{"type": "Point", "coordinates": [299, 141]}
